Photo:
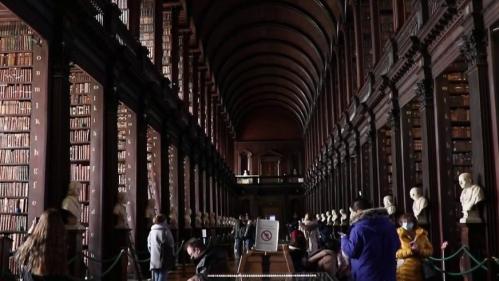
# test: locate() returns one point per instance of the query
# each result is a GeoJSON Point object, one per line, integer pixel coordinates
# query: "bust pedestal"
{"type": "Point", "coordinates": [74, 240]}
{"type": "Point", "coordinates": [121, 241]}
{"type": "Point", "coordinates": [472, 236]}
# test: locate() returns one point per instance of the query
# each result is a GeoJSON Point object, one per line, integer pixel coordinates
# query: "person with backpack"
{"type": "Point", "coordinates": [161, 247]}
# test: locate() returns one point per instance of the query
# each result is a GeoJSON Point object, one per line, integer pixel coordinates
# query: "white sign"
{"type": "Point", "coordinates": [267, 235]}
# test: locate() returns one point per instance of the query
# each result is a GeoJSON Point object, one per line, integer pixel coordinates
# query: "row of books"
{"type": "Point", "coordinates": [461, 100]}
{"type": "Point", "coordinates": [76, 110]}
{"type": "Point", "coordinates": [14, 205]}
{"type": "Point", "coordinates": [122, 155]}
{"type": "Point", "coordinates": [121, 168]}
{"type": "Point", "coordinates": [80, 172]}
{"type": "Point", "coordinates": [14, 189]}
{"type": "Point", "coordinates": [16, 75]}
{"type": "Point", "coordinates": [13, 156]}
{"type": "Point", "coordinates": [461, 132]}
{"type": "Point", "coordinates": [16, 91]}
{"type": "Point", "coordinates": [462, 158]}
{"type": "Point", "coordinates": [14, 28]}
{"type": "Point", "coordinates": [13, 223]}
{"type": "Point", "coordinates": [10, 123]}
{"type": "Point", "coordinates": [79, 88]}
{"type": "Point", "coordinates": [84, 192]}
{"type": "Point", "coordinates": [79, 136]}
{"type": "Point", "coordinates": [15, 107]}
{"type": "Point", "coordinates": [79, 122]}
{"type": "Point", "coordinates": [14, 173]}
{"type": "Point", "coordinates": [455, 89]}
{"type": "Point", "coordinates": [19, 43]}
{"type": "Point", "coordinates": [14, 140]}
{"type": "Point", "coordinates": [16, 59]}
{"type": "Point", "coordinates": [77, 99]}
{"type": "Point", "coordinates": [79, 152]}
{"type": "Point", "coordinates": [461, 145]}
{"type": "Point", "coordinates": [121, 179]}
{"type": "Point", "coordinates": [17, 240]}
{"type": "Point", "coordinates": [84, 214]}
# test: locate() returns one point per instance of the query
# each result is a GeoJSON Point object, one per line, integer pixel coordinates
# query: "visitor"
{"type": "Point", "coordinates": [161, 247]}
{"type": "Point", "coordinates": [43, 256]}
{"type": "Point", "coordinates": [414, 248]}
{"type": "Point", "coordinates": [371, 243]}
{"type": "Point", "coordinates": [211, 260]}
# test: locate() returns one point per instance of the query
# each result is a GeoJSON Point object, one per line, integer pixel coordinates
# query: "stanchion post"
{"type": "Point", "coordinates": [74, 241]}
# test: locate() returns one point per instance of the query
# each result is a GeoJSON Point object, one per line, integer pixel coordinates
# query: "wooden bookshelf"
{"type": "Point", "coordinates": [167, 44]}
{"type": "Point", "coordinates": [147, 26]}
{"type": "Point", "coordinates": [365, 21]}
{"type": "Point", "coordinates": [187, 183]}
{"type": "Point", "coordinates": [82, 101]}
{"type": "Point", "coordinates": [413, 144]}
{"type": "Point", "coordinates": [125, 12]}
{"type": "Point", "coordinates": [153, 165]}
{"type": "Point", "coordinates": [385, 161]}
{"type": "Point", "coordinates": [22, 84]}
{"type": "Point", "coordinates": [173, 182]}
{"type": "Point", "coordinates": [181, 58]}
{"type": "Point", "coordinates": [385, 13]}
{"type": "Point", "coordinates": [456, 99]}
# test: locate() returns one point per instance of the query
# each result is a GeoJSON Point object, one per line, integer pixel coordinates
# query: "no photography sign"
{"type": "Point", "coordinates": [267, 235]}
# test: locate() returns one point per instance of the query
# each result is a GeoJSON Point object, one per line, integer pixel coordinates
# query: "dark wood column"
{"type": "Point", "coordinates": [165, 169]}
{"type": "Point", "coordinates": [372, 139]}
{"type": "Point", "coordinates": [180, 182]}
{"type": "Point", "coordinates": [57, 168]}
{"type": "Point", "coordinates": [158, 35]}
{"type": "Point", "coordinates": [195, 86]}
{"type": "Point", "coordinates": [375, 32]}
{"type": "Point", "coordinates": [474, 50]}
{"type": "Point", "coordinates": [175, 48]}
{"type": "Point", "coordinates": [424, 92]}
{"type": "Point", "coordinates": [401, 195]}
{"type": "Point", "coordinates": [358, 43]}
{"type": "Point", "coordinates": [192, 180]}
{"type": "Point", "coordinates": [141, 185]}
{"type": "Point", "coordinates": [134, 17]}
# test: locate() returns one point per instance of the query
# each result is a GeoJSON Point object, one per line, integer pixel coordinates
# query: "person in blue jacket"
{"type": "Point", "coordinates": [371, 243]}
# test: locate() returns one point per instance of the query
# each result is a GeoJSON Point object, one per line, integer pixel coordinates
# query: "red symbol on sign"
{"type": "Point", "coordinates": [266, 235]}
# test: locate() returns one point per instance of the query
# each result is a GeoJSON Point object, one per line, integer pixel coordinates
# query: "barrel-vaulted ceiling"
{"type": "Point", "coordinates": [267, 52]}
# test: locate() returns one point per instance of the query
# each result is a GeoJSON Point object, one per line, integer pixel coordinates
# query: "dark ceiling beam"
{"type": "Point", "coordinates": [267, 30]}
{"type": "Point", "coordinates": [266, 47]}
{"type": "Point", "coordinates": [253, 64]}
{"type": "Point", "coordinates": [271, 72]}
{"type": "Point", "coordinates": [263, 80]}
{"type": "Point", "coordinates": [248, 98]}
{"type": "Point", "coordinates": [264, 103]}
{"type": "Point", "coordinates": [297, 15]}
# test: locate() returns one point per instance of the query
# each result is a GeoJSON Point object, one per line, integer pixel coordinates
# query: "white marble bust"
{"type": "Point", "coordinates": [206, 219]}
{"type": "Point", "coordinates": [388, 204]}
{"type": "Point", "coordinates": [328, 218]}
{"type": "Point", "coordinates": [120, 211]}
{"type": "Point", "coordinates": [213, 219]}
{"type": "Point", "coordinates": [323, 217]}
{"type": "Point", "coordinates": [334, 217]}
{"type": "Point", "coordinates": [343, 217]}
{"type": "Point", "coordinates": [419, 205]}
{"type": "Point", "coordinates": [471, 195]}
{"type": "Point", "coordinates": [71, 203]}
{"type": "Point", "coordinates": [198, 220]}
{"type": "Point", "coordinates": [187, 218]}
{"type": "Point", "coordinates": [173, 217]}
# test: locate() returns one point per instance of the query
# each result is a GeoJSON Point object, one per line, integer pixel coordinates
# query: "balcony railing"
{"type": "Point", "coordinates": [257, 179]}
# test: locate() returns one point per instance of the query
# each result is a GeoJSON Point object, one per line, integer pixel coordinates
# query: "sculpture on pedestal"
{"type": "Point", "coordinates": [471, 195]}
{"type": "Point", "coordinates": [187, 218]}
{"type": "Point", "coordinates": [334, 218]}
{"type": "Point", "coordinates": [328, 218]}
{"type": "Point", "coordinates": [198, 221]}
{"type": "Point", "coordinates": [206, 219]}
{"type": "Point", "coordinates": [213, 219]}
{"type": "Point", "coordinates": [343, 217]}
{"type": "Point", "coordinates": [323, 218]}
{"type": "Point", "coordinates": [71, 203]}
{"type": "Point", "coordinates": [388, 204]}
{"type": "Point", "coordinates": [173, 217]}
{"type": "Point", "coordinates": [419, 205]}
{"type": "Point", "coordinates": [120, 212]}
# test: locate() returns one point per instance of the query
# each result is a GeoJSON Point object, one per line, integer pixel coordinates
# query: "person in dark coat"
{"type": "Point", "coordinates": [371, 244]}
{"type": "Point", "coordinates": [211, 260]}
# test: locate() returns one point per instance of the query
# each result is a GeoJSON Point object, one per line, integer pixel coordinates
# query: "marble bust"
{"type": "Point", "coordinates": [187, 217]}
{"type": "Point", "coordinates": [206, 219]}
{"type": "Point", "coordinates": [213, 219]}
{"type": "Point", "coordinates": [323, 218]}
{"type": "Point", "coordinates": [328, 218]}
{"type": "Point", "coordinates": [419, 205]}
{"type": "Point", "coordinates": [343, 217]}
{"type": "Point", "coordinates": [120, 212]}
{"type": "Point", "coordinates": [173, 217]}
{"type": "Point", "coordinates": [471, 195]}
{"type": "Point", "coordinates": [198, 220]}
{"type": "Point", "coordinates": [334, 217]}
{"type": "Point", "coordinates": [388, 204]}
{"type": "Point", "coordinates": [71, 203]}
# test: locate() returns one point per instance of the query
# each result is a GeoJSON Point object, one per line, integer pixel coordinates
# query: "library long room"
{"type": "Point", "coordinates": [249, 140]}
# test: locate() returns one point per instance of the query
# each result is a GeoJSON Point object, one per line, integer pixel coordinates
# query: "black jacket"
{"type": "Point", "coordinates": [212, 261]}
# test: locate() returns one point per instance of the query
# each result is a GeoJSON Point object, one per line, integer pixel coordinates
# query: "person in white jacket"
{"type": "Point", "coordinates": [161, 247]}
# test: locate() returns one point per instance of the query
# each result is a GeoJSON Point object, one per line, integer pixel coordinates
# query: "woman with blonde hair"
{"type": "Point", "coordinates": [43, 255]}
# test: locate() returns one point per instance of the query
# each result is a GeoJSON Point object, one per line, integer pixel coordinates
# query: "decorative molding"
{"type": "Point", "coordinates": [424, 93]}
{"type": "Point", "coordinates": [473, 47]}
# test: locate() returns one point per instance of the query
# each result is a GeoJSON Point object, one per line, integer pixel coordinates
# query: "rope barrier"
{"type": "Point", "coordinates": [468, 253]}
{"type": "Point", "coordinates": [139, 260]}
{"type": "Point", "coordinates": [478, 266]}
{"type": "Point", "coordinates": [106, 272]}
{"type": "Point", "coordinates": [448, 257]}
{"type": "Point", "coordinates": [103, 260]}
